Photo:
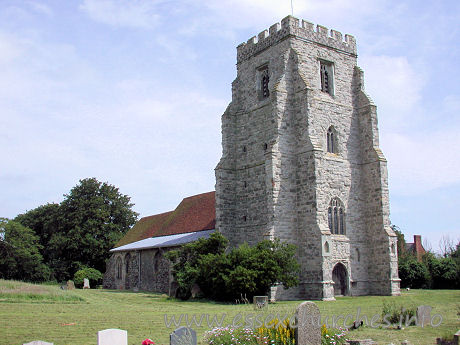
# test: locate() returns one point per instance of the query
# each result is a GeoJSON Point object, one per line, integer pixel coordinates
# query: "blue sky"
{"type": "Point", "coordinates": [131, 92]}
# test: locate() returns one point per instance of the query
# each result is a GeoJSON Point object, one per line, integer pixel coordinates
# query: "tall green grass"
{"type": "Point", "coordinates": [18, 292]}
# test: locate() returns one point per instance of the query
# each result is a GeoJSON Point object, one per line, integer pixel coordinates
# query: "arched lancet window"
{"type": "Point", "coordinates": [156, 261]}
{"type": "Point", "coordinates": [336, 217]}
{"type": "Point", "coordinates": [331, 141]}
{"type": "Point", "coordinates": [342, 226]}
{"type": "Point", "coordinates": [119, 267]}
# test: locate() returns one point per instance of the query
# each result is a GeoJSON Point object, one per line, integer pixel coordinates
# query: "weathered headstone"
{"type": "Point", "coordinates": [260, 302]}
{"type": "Point", "coordinates": [308, 321]}
{"type": "Point", "coordinates": [85, 283]}
{"type": "Point", "coordinates": [112, 336]}
{"type": "Point", "coordinates": [183, 336]}
{"type": "Point", "coordinates": [423, 315]}
{"type": "Point", "coordinates": [70, 285]}
{"type": "Point", "coordinates": [38, 342]}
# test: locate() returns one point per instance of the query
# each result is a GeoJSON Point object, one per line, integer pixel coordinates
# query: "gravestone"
{"type": "Point", "coordinates": [183, 336]}
{"type": "Point", "coordinates": [260, 302]}
{"type": "Point", "coordinates": [112, 336]}
{"type": "Point", "coordinates": [362, 342]}
{"type": "Point", "coordinates": [308, 321]}
{"type": "Point", "coordinates": [38, 342]}
{"type": "Point", "coordinates": [85, 283]}
{"type": "Point", "coordinates": [423, 315]}
{"type": "Point", "coordinates": [70, 285]}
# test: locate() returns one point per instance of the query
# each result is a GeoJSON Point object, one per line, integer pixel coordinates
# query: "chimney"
{"type": "Point", "coordinates": [419, 250]}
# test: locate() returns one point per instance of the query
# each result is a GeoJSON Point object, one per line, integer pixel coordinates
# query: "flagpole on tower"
{"type": "Point", "coordinates": [292, 9]}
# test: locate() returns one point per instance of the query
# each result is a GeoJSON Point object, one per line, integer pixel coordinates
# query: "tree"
{"type": "Point", "coordinates": [413, 274]}
{"type": "Point", "coordinates": [82, 229]}
{"type": "Point", "coordinates": [197, 260]}
{"type": "Point", "coordinates": [95, 216]}
{"type": "Point", "coordinates": [19, 253]}
{"type": "Point", "coordinates": [401, 241]}
{"type": "Point", "coordinates": [444, 271]}
{"type": "Point", "coordinates": [45, 221]}
{"type": "Point", "coordinates": [244, 270]}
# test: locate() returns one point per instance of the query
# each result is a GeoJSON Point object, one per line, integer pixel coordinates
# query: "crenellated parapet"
{"type": "Point", "coordinates": [293, 27]}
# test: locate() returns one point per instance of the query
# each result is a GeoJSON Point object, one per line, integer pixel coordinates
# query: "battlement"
{"type": "Point", "coordinates": [291, 26]}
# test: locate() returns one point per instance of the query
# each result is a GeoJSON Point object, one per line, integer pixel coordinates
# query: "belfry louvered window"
{"type": "Point", "coordinates": [326, 77]}
{"type": "Point", "coordinates": [265, 78]}
{"type": "Point", "coordinates": [336, 217]}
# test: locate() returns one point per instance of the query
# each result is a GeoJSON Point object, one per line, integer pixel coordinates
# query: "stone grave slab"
{"type": "Point", "coordinates": [112, 336]}
{"type": "Point", "coordinates": [424, 315]}
{"type": "Point", "coordinates": [183, 336]}
{"type": "Point", "coordinates": [308, 321]}
{"type": "Point", "coordinates": [260, 302]}
{"type": "Point", "coordinates": [70, 285]}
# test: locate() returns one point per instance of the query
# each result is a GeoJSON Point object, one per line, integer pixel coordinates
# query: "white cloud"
{"type": "Point", "coordinates": [395, 85]}
{"type": "Point", "coordinates": [124, 13]}
{"type": "Point", "coordinates": [420, 162]}
{"type": "Point", "coordinates": [41, 8]}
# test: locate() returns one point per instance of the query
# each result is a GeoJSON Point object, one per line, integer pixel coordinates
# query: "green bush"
{"type": "Point", "coordinates": [92, 274]}
{"type": "Point", "coordinates": [243, 271]}
{"type": "Point", "coordinates": [413, 274]}
{"type": "Point", "coordinates": [396, 314]}
{"type": "Point", "coordinates": [444, 272]}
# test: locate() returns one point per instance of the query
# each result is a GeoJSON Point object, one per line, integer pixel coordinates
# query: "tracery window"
{"type": "Point", "coordinates": [331, 141]}
{"type": "Point", "coordinates": [336, 217]}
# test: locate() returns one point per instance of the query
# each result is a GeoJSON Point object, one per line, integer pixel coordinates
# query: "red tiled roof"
{"type": "Point", "coordinates": [195, 213]}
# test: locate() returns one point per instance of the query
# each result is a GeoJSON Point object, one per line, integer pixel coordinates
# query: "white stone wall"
{"type": "Point", "coordinates": [275, 178]}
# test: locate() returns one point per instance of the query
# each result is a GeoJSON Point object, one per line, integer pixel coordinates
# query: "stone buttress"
{"type": "Point", "coordinates": [300, 142]}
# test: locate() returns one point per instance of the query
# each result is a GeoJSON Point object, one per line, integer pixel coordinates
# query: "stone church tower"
{"type": "Point", "coordinates": [301, 162]}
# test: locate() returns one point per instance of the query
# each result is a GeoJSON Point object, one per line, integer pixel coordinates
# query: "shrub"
{"type": "Point", "coordinates": [444, 272]}
{"type": "Point", "coordinates": [333, 336]}
{"type": "Point", "coordinates": [92, 274]}
{"type": "Point", "coordinates": [244, 270]}
{"type": "Point", "coordinates": [395, 314]}
{"type": "Point", "coordinates": [413, 274]}
{"type": "Point", "coordinates": [281, 335]}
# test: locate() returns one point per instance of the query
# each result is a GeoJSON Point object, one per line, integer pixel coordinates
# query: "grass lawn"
{"type": "Point", "coordinates": [44, 312]}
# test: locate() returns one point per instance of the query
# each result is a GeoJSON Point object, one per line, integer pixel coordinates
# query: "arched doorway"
{"type": "Point", "coordinates": [340, 278]}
